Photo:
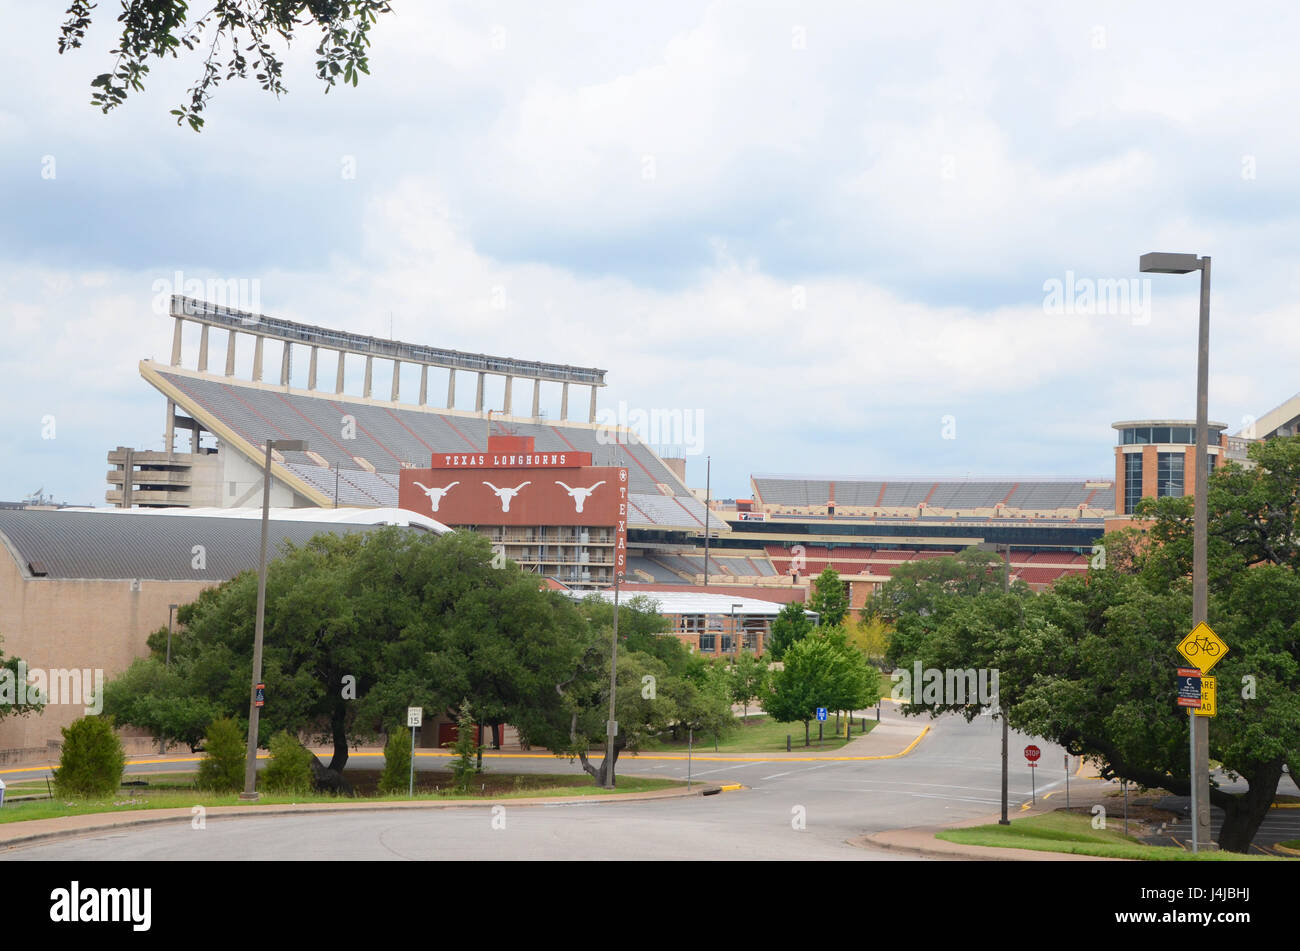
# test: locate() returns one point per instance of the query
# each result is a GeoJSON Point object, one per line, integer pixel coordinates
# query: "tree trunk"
{"type": "Point", "coordinates": [806, 740]}
{"type": "Point", "coordinates": [604, 773]}
{"type": "Point", "coordinates": [496, 736]}
{"type": "Point", "coordinates": [338, 726]}
{"type": "Point", "coordinates": [1244, 814]}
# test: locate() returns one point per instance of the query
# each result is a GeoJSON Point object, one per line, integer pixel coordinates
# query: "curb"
{"type": "Point", "coordinates": [160, 816]}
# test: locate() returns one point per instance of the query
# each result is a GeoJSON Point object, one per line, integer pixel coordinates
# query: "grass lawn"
{"type": "Point", "coordinates": [173, 791]}
{"type": "Point", "coordinates": [1072, 832]}
{"type": "Point", "coordinates": [761, 734]}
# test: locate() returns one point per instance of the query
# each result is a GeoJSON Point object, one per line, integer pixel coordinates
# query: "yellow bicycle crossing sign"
{"type": "Point", "coordinates": [1202, 647]}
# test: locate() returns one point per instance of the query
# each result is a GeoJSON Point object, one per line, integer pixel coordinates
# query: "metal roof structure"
{"type": "Point", "coordinates": [136, 545]}
{"type": "Point", "coordinates": [690, 602]}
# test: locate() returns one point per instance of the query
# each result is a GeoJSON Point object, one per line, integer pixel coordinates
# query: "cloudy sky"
{"type": "Point", "coordinates": [833, 234]}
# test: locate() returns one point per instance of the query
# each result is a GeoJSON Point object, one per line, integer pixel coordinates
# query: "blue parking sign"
{"type": "Point", "coordinates": [821, 714]}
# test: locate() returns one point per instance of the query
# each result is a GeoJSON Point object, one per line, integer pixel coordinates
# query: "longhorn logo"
{"type": "Point", "coordinates": [505, 495]}
{"type": "Point", "coordinates": [580, 495]}
{"type": "Point", "coordinates": [435, 494]}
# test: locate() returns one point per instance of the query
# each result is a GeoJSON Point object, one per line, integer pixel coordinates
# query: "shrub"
{"type": "Point", "coordinates": [222, 769]}
{"type": "Point", "coordinates": [397, 763]}
{"type": "Point", "coordinates": [289, 769]}
{"type": "Point", "coordinates": [466, 748]}
{"type": "Point", "coordinates": [92, 759]}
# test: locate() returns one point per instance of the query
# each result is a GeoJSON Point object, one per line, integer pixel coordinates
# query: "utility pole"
{"type": "Point", "coordinates": [708, 497]}
{"type": "Point", "coordinates": [611, 728]}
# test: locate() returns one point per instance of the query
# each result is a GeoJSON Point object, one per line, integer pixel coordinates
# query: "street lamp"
{"type": "Point", "coordinates": [171, 612]}
{"type": "Point", "coordinates": [734, 633]}
{"type": "Point", "coordinates": [611, 728]}
{"type": "Point", "coordinates": [250, 765]}
{"type": "Point", "coordinates": [1006, 587]}
{"type": "Point", "coordinates": [1160, 262]}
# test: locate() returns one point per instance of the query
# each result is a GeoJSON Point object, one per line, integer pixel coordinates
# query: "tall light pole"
{"type": "Point", "coordinates": [611, 728]}
{"type": "Point", "coordinates": [734, 633]}
{"type": "Point", "coordinates": [171, 612]}
{"type": "Point", "coordinates": [1159, 262]}
{"type": "Point", "coordinates": [1006, 588]}
{"type": "Point", "coordinates": [250, 764]}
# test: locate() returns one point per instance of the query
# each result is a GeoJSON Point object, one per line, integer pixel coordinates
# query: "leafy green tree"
{"type": "Point", "coordinates": [91, 760]}
{"type": "Point", "coordinates": [820, 671]}
{"type": "Point", "coordinates": [149, 695]}
{"type": "Point", "coordinates": [871, 636]}
{"type": "Point", "coordinates": [225, 757]}
{"type": "Point", "coordinates": [11, 675]}
{"type": "Point", "coordinates": [465, 765]}
{"type": "Point", "coordinates": [396, 777]}
{"type": "Point", "coordinates": [289, 768]}
{"type": "Point", "coordinates": [790, 625]}
{"type": "Point", "coordinates": [747, 680]}
{"type": "Point", "coordinates": [156, 29]}
{"type": "Point", "coordinates": [830, 597]}
{"type": "Point", "coordinates": [1089, 663]}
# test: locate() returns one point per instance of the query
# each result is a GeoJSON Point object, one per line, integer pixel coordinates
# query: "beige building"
{"type": "Point", "coordinates": [81, 591]}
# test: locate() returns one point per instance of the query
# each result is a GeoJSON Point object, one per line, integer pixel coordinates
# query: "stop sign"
{"type": "Point", "coordinates": [1032, 752]}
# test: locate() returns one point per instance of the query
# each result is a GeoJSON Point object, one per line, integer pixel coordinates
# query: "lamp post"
{"type": "Point", "coordinates": [250, 764]}
{"type": "Point", "coordinates": [1006, 587]}
{"type": "Point", "coordinates": [171, 612]}
{"type": "Point", "coordinates": [735, 634]}
{"type": "Point", "coordinates": [611, 728]}
{"type": "Point", "coordinates": [1160, 262]}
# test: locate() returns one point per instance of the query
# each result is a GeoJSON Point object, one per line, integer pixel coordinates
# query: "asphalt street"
{"type": "Point", "coordinates": [788, 809]}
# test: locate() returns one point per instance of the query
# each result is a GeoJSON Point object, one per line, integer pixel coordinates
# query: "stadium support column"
{"type": "Point", "coordinates": [451, 389]}
{"type": "Point", "coordinates": [537, 394]}
{"type": "Point", "coordinates": [203, 349]}
{"type": "Point", "coordinates": [338, 381]}
{"type": "Point", "coordinates": [259, 340]}
{"type": "Point", "coordinates": [284, 363]}
{"type": "Point", "coordinates": [478, 398]}
{"type": "Point", "coordinates": [170, 438]}
{"type": "Point", "coordinates": [370, 370]}
{"type": "Point", "coordinates": [510, 392]}
{"type": "Point", "coordinates": [591, 417]}
{"type": "Point", "coordinates": [424, 385]}
{"type": "Point", "coordinates": [230, 353]}
{"type": "Point", "coordinates": [311, 368]}
{"type": "Point", "coordinates": [176, 343]}
{"type": "Point", "coordinates": [564, 402]}
{"type": "Point", "coordinates": [397, 381]}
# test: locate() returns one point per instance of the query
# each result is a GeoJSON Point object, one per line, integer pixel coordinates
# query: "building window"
{"type": "Point", "coordinates": [726, 643]}
{"type": "Point", "coordinates": [708, 643]}
{"type": "Point", "coordinates": [1169, 474]}
{"type": "Point", "coordinates": [1132, 481]}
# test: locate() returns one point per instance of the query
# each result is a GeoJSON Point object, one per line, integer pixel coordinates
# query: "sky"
{"type": "Point", "coordinates": [883, 240]}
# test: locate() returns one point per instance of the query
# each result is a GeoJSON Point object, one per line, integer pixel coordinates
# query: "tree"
{"type": "Point", "coordinates": [396, 777]}
{"type": "Point", "coordinates": [149, 695]}
{"type": "Point", "coordinates": [222, 767]}
{"type": "Point", "coordinates": [820, 671]}
{"type": "Point", "coordinates": [747, 680]}
{"type": "Point", "coordinates": [790, 625]}
{"type": "Point", "coordinates": [159, 28]}
{"type": "Point", "coordinates": [1088, 664]}
{"type": "Point", "coordinates": [289, 768]}
{"type": "Point", "coordinates": [465, 765]}
{"type": "Point", "coordinates": [91, 760]}
{"type": "Point", "coordinates": [871, 635]}
{"type": "Point", "coordinates": [13, 674]}
{"type": "Point", "coordinates": [830, 597]}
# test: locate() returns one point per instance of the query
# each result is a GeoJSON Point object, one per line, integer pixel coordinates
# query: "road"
{"type": "Point", "coordinates": [788, 810]}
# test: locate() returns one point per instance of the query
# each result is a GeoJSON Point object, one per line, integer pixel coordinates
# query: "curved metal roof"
{"type": "Point", "coordinates": [137, 545]}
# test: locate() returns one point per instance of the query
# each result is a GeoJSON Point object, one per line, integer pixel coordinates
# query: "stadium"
{"type": "Point", "coordinates": [573, 500]}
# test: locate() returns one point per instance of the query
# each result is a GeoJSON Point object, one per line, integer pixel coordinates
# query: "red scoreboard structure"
{"type": "Point", "coordinates": [553, 512]}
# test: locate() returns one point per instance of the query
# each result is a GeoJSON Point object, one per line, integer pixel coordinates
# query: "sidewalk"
{"type": "Point", "coordinates": [920, 840]}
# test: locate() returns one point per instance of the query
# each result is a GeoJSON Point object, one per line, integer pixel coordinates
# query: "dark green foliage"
{"type": "Point", "coordinates": [397, 762]}
{"type": "Point", "coordinates": [226, 756]}
{"type": "Point", "coordinates": [789, 626]}
{"type": "Point", "coordinates": [248, 31]}
{"type": "Point", "coordinates": [830, 598]}
{"type": "Point", "coordinates": [466, 748]}
{"type": "Point", "coordinates": [92, 759]}
{"type": "Point", "coordinates": [289, 768]}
